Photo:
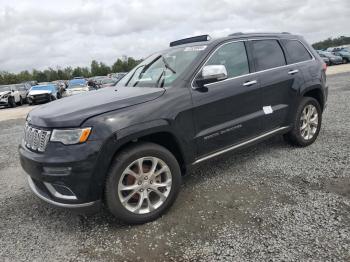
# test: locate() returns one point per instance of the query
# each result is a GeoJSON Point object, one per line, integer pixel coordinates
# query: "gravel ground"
{"type": "Point", "coordinates": [267, 202]}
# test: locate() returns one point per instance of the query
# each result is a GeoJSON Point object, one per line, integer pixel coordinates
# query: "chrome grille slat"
{"type": "Point", "coordinates": [36, 139]}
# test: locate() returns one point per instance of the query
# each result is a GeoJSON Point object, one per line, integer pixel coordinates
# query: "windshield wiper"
{"type": "Point", "coordinates": [144, 69]}
{"type": "Point", "coordinates": [162, 75]}
{"type": "Point", "coordinates": [167, 65]}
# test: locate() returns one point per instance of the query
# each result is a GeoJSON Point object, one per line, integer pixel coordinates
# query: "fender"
{"type": "Point", "coordinates": [126, 135]}
{"type": "Point", "coordinates": [315, 85]}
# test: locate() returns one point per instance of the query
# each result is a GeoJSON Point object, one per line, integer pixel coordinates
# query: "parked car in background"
{"type": "Point", "coordinates": [23, 90]}
{"type": "Point", "coordinates": [107, 82]}
{"type": "Point", "coordinates": [76, 86]}
{"type": "Point", "coordinates": [325, 59]}
{"type": "Point", "coordinates": [61, 84]}
{"type": "Point", "coordinates": [42, 94]}
{"type": "Point", "coordinates": [333, 59]}
{"type": "Point", "coordinates": [10, 96]}
{"type": "Point", "coordinates": [119, 75]}
{"type": "Point", "coordinates": [344, 54]}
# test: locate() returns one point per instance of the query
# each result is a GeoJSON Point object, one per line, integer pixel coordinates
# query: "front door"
{"type": "Point", "coordinates": [229, 111]}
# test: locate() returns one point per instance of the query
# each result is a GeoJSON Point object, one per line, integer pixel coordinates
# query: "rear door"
{"type": "Point", "coordinates": [279, 82]}
{"type": "Point", "coordinates": [229, 111]}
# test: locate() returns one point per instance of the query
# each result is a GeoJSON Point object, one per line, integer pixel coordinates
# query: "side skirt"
{"type": "Point", "coordinates": [227, 149]}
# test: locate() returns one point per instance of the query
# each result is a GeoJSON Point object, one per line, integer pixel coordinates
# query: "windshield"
{"type": "Point", "coordinates": [42, 88]}
{"type": "Point", "coordinates": [76, 83]}
{"type": "Point", "coordinates": [5, 88]}
{"type": "Point", "coordinates": [161, 69]}
{"type": "Point", "coordinates": [328, 54]}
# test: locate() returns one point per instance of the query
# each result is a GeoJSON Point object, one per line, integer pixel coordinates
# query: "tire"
{"type": "Point", "coordinates": [299, 136]}
{"type": "Point", "coordinates": [345, 61]}
{"type": "Point", "coordinates": [11, 101]}
{"type": "Point", "coordinates": [20, 101]}
{"type": "Point", "coordinates": [128, 159]}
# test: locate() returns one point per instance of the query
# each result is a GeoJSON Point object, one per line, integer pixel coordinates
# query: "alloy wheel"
{"type": "Point", "coordinates": [308, 122]}
{"type": "Point", "coordinates": [145, 185]}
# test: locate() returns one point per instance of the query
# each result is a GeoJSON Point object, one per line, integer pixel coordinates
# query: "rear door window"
{"type": "Point", "coordinates": [296, 51]}
{"type": "Point", "coordinates": [268, 54]}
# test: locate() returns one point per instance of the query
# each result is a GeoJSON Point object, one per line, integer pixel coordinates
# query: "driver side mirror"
{"type": "Point", "coordinates": [211, 74]}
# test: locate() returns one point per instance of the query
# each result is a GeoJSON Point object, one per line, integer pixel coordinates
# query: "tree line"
{"type": "Point", "coordinates": [330, 42]}
{"type": "Point", "coordinates": [51, 74]}
{"type": "Point", "coordinates": [101, 69]}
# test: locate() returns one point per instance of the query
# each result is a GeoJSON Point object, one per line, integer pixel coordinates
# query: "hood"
{"type": "Point", "coordinates": [39, 92]}
{"type": "Point", "coordinates": [74, 110]}
{"type": "Point", "coordinates": [4, 93]}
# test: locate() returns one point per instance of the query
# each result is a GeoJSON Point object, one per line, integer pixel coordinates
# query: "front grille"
{"type": "Point", "coordinates": [36, 139]}
{"type": "Point", "coordinates": [42, 96]}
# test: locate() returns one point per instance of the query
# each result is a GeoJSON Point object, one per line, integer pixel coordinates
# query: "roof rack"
{"type": "Point", "coordinates": [193, 39]}
{"type": "Point", "coordinates": [261, 33]}
{"type": "Point", "coordinates": [237, 33]}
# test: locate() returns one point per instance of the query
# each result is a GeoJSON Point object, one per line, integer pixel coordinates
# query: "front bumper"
{"type": "Point", "coordinates": [4, 102]}
{"type": "Point", "coordinates": [47, 198]}
{"type": "Point", "coordinates": [64, 175]}
{"type": "Point", "coordinates": [42, 98]}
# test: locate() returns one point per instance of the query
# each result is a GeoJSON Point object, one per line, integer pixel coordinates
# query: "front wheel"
{"type": "Point", "coordinates": [143, 182]}
{"type": "Point", "coordinates": [11, 101]}
{"type": "Point", "coordinates": [307, 123]}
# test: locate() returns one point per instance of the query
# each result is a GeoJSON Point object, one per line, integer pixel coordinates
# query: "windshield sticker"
{"type": "Point", "coordinates": [195, 48]}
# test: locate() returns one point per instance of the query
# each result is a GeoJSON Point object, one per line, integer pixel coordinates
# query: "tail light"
{"type": "Point", "coordinates": [324, 67]}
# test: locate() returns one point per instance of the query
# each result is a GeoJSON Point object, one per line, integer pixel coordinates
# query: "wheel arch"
{"type": "Point", "coordinates": [157, 131]}
{"type": "Point", "coordinates": [315, 91]}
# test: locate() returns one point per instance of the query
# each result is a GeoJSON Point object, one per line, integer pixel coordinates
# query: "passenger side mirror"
{"type": "Point", "coordinates": [211, 74]}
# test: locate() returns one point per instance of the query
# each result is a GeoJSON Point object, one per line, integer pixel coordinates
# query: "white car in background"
{"type": "Point", "coordinates": [76, 86]}
{"type": "Point", "coordinates": [10, 96]}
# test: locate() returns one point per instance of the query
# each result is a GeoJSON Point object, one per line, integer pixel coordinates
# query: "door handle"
{"type": "Point", "coordinates": [293, 72]}
{"type": "Point", "coordinates": [250, 83]}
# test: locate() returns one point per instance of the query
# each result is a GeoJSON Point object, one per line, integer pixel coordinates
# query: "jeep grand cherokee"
{"type": "Point", "coordinates": [129, 146]}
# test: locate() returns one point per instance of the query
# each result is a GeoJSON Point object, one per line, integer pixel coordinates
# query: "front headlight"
{"type": "Point", "coordinates": [5, 96]}
{"type": "Point", "coordinates": [70, 136]}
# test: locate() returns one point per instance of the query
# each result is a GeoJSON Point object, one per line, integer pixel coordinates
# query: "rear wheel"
{"type": "Point", "coordinates": [20, 101]}
{"type": "Point", "coordinates": [307, 123]}
{"type": "Point", "coordinates": [345, 61]}
{"type": "Point", "coordinates": [142, 183]}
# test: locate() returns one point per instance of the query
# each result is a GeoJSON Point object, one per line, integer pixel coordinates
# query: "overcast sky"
{"type": "Point", "coordinates": [40, 34]}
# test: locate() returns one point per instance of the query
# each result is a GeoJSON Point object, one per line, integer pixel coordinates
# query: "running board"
{"type": "Point", "coordinates": [239, 145]}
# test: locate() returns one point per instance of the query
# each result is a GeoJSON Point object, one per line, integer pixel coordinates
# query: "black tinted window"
{"type": "Point", "coordinates": [268, 54]}
{"type": "Point", "coordinates": [233, 56]}
{"type": "Point", "coordinates": [296, 51]}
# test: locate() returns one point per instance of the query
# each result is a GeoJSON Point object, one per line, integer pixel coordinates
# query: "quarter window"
{"type": "Point", "coordinates": [296, 51]}
{"type": "Point", "coordinates": [268, 54]}
{"type": "Point", "coordinates": [233, 56]}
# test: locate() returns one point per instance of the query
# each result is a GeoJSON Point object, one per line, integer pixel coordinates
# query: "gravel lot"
{"type": "Point", "coordinates": [267, 202]}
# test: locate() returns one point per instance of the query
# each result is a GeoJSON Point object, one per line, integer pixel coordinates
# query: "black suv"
{"type": "Point", "coordinates": [129, 145]}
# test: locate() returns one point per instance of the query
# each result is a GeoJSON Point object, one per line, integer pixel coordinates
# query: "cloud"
{"type": "Point", "coordinates": [40, 34]}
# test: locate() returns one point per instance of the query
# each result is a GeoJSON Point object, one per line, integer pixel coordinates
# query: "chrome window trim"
{"type": "Point", "coordinates": [253, 73]}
